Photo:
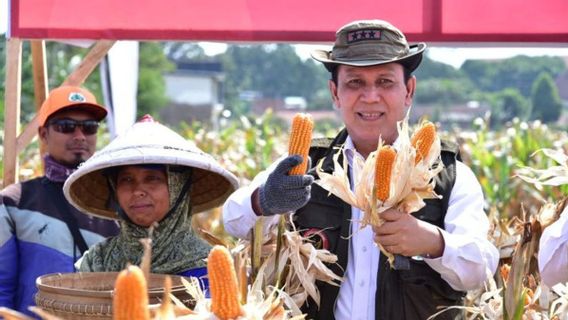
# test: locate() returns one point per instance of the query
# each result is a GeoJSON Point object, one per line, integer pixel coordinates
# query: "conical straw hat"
{"type": "Point", "coordinates": [144, 143]}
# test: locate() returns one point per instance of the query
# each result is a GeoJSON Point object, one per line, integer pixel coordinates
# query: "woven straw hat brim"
{"type": "Point", "coordinates": [87, 188]}
{"type": "Point", "coordinates": [412, 59]}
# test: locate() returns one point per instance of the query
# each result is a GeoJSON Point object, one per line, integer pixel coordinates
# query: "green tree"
{"type": "Point", "coordinates": [517, 72]}
{"type": "Point", "coordinates": [443, 91]}
{"type": "Point", "coordinates": [546, 102]}
{"type": "Point", "coordinates": [430, 69]}
{"type": "Point", "coordinates": [506, 105]}
{"type": "Point", "coordinates": [480, 72]}
{"type": "Point", "coordinates": [61, 60]}
{"type": "Point", "coordinates": [151, 85]}
{"type": "Point", "coordinates": [274, 71]}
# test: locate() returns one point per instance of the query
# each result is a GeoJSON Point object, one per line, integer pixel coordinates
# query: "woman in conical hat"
{"type": "Point", "coordinates": [149, 176]}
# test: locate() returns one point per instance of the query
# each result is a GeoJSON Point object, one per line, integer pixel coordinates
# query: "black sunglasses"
{"type": "Point", "coordinates": [88, 127]}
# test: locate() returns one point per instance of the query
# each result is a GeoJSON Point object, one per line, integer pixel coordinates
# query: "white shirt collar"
{"type": "Point", "coordinates": [350, 147]}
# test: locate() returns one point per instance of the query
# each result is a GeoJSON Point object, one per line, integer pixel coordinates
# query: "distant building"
{"type": "Point", "coordinates": [194, 89]}
{"type": "Point", "coordinates": [461, 115]}
{"type": "Point", "coordinates": [260, 105]}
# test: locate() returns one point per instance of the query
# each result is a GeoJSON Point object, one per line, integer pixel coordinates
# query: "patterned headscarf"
{"type": "Point", "coordinates": [175, 246]}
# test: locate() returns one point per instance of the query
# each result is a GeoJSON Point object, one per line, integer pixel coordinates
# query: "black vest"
{"type": "Point", "coordinates": [408, 294]}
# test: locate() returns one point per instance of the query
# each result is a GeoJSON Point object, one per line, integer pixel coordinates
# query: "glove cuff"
{"type": "Point", "coordinates": [264, 207]}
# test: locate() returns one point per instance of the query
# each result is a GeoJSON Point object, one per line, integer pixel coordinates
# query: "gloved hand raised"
{"type": "Point", "coordinates": [282, 193]}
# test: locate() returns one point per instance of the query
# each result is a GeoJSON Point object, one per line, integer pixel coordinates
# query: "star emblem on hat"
{"type": "Point", "coordinates": [360, 35]}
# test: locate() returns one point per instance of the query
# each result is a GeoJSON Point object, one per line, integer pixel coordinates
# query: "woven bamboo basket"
{"type": "Point", "coordinates": [89, 295]}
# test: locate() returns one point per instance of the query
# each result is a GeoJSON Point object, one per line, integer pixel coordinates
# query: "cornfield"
{"type": "Point", "coordinates": [247, 146]}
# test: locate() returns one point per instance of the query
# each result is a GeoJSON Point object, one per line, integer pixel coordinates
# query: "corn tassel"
{"type": "Point", "coordinates": [223, 284]}
{"type": "Point", "coordinates": [300, 139]}
{"type": "Point", "coordinates": [423, 139]}
{"type": "Point", "coordinates": [130, 300]}
{"type": "Point", "coordinates": [383, 171]}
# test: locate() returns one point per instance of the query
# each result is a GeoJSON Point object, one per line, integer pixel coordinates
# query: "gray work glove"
{"type": "Point", "coordinates": [282, 193]}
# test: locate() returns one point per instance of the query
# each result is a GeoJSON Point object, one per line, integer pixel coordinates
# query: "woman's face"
{"type": "Point", "coordinates": [143, 194]}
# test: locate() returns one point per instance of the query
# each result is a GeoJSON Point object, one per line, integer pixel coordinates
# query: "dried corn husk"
{"type": "Point", "coordinates": [411, 182]}
{"type": "Point", "coordinates": [306, 265]}
{"type": "Point", "coordinates": [553, 176]}
{"type": "Point", "coordinates": [259, 306]}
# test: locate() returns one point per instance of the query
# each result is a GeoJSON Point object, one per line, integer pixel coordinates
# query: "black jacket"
{"type": "Point", "coordinates": [412, 294]}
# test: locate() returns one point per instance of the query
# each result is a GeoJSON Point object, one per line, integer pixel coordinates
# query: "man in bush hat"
{"type": "Point", "coordinates": [40, 232]}
{"type": "Point", "coordinates": [372, 87]}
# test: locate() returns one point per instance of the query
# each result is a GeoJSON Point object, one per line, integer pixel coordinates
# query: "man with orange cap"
{"type": "Point", "coordinates": [40, 232]}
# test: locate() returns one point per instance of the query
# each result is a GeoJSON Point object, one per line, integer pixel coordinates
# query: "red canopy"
{"type": "Point", "coordinates": [288, 20]}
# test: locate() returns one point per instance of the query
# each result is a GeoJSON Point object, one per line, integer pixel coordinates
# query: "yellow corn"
{"type": "Point", "coordinates": [384, 164]}
{"type": "Point", "coordinates": [423, 139]}
{"type": "Point", "coordinates": [300, 139]}
{"type": "Point", "coordinates": [529, 294]}
{"type": "Point", "coordinates": [223, 284]}
{"type": "Point", "coordinates": [505, 270]}
{"type": "Point", "coordinates": [130, 300]}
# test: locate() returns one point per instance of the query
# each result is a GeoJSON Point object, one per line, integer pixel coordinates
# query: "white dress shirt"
{"type": "Point", "coordinates": [553, 252]}
{"type": "Point", "coordinates": [468, 258]}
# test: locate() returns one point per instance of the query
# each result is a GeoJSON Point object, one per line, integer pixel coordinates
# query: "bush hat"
{"type": "Point", "coordinates": [365, 43]}
{"type": "Point", "coordinates": [148, 142]}
{"type": "Point", "coordinates": [70, 96]}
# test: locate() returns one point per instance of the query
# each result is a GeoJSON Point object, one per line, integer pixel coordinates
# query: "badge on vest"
{"type": "Point", "coordinates": [318, 238]}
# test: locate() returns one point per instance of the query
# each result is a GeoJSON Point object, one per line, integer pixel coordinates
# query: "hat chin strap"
{"type": "Point", "coordinates": [184, 190]}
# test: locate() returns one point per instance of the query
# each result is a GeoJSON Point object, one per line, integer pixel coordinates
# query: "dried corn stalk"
{"type": "Point", "coordinates": [553, 176]}
{"type": "Point", "coordinates": [306, 265]}
{"type": "Point", "coordinates": [300, 140]}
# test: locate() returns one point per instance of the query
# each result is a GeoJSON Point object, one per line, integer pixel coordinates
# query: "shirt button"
{"type": "Point", "coordinates": [362, 283]}
{"type": "Point", "coordinates": [364, 249]}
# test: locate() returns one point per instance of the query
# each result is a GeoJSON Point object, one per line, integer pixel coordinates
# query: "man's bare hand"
{"type": "Point", "coordinates": [403, 234]}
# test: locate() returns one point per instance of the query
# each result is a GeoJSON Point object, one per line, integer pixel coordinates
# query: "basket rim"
{"type": "Point", "coordinates": [42, 286]}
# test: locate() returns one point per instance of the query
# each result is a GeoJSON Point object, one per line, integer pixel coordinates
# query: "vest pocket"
{"type": "Point", "coordinates": [421, 277]}
{"type": "Point", "coordinates": [320, 222]}
{"type": "Point", "coordinates": [431, 213]}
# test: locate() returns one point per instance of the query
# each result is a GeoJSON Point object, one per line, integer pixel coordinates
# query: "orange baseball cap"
{"type": "Point", "coordinates": [70, 96]}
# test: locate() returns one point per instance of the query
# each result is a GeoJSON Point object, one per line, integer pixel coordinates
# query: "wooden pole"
{"type": "Point", "coordinates": [14, 144]}
{"type": "Point", "coordinates": [40, 91]}
{"type": "Point", "coordinates": [89, 63]}
{"type": "Point", "coordinates": [12, 109]}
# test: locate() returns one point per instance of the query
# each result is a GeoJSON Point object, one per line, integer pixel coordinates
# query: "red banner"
{"type": "Point", "coordinates": [288, 20]}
